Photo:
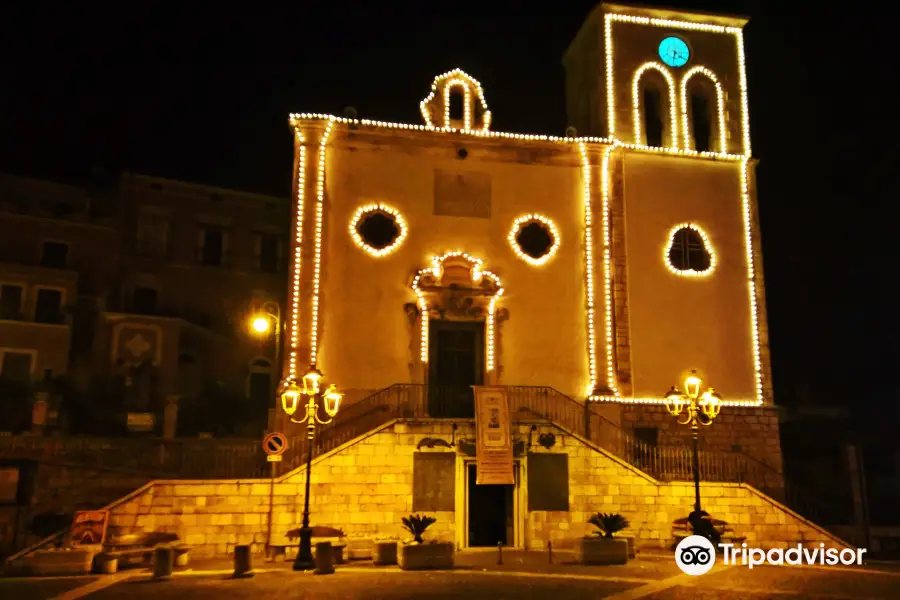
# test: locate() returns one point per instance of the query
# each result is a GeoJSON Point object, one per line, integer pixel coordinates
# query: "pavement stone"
{"type": "Point", "coordinates": [39, 589]}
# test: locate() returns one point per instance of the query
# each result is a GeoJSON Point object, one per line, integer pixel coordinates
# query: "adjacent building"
{"type": "Point", "coordinates": [139, 292]}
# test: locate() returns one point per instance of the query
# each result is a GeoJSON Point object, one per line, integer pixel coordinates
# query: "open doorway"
{"type": "Point", "coordinates": [490, 512]}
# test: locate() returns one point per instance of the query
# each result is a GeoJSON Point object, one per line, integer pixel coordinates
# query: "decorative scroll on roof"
{"type": "Point", "coordinates": [436, 107]}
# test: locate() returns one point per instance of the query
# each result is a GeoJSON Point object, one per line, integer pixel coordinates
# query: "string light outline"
{"type": "Point", "coordinates": [298, 254]}
{"type": "Point", "coordinates": [364, 211]}
{"type": "Point", "coordinates": [317, 262]}
{"type": "Point", "coordinates": [636, 100]}
{"type": "Point", "coordinates": [522, 222]}
{"type": "Point", "coordinates": [478, 273]}
{"type": "Point", "coordinates": [707, 246]}
{"type": "Point", "coordinates": [720, 106]}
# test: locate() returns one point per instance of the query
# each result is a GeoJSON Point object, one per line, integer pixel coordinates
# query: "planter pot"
{"type": "Point", "coordinates": [385, 553]}
{"type": "Point", "coordinates": [63, 562]}
{"type": "Point", "coordinates": [417, 557]}
{"type": "Point", "coordinates": [603, 551]}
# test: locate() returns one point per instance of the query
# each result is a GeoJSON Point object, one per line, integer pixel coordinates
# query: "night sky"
{"type": "Point", "coordinates": [205, 97]}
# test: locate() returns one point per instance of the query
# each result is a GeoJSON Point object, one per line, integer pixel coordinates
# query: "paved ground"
{"type": "Point", "coordinates": [523, 576]}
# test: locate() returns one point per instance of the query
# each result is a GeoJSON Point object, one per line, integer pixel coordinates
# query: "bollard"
{"type": "Point", "coordinates": [162, 563]}
{"type": "Point", "coordinates": [550, 551]}
{"type": "Point", "coordinates": [324, 558]}
{"type": "Point", "coordinates": [499, 553]}
{"type": "Point", "coordinates": [242, 564]}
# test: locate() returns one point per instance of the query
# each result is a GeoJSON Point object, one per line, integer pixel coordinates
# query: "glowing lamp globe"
{"type": "Point", "coordinates": [290, 397]}
{"type": "Point", "coordinates": [260, 324]}
{"type": "Point", "coordinates": [332, 400]}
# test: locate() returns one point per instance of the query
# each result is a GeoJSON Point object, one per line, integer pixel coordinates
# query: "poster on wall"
{"type": "Point", "coordinates": [494, 452]}
{"type": "Point", "coordinates": [89, 527]}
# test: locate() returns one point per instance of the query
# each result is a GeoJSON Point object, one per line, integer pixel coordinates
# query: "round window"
{"type": "Point", "coordinates": [377, 229]}
{"type": "Point", "coordinates": [534, 239]}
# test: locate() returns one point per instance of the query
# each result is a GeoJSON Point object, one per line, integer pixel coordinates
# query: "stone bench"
{"type": "Point", "coordinates": [140, 547]}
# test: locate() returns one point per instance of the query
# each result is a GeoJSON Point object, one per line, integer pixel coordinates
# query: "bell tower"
{"type": "Point", "coordinates": [661, 78]}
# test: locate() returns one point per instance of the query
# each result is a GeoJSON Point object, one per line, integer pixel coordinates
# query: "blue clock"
{"type": "Point", "coordinates": [674, 52]}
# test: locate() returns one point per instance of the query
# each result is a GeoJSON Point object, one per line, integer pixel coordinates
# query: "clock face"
{"type": "Point", "coordinates": [674, 52]}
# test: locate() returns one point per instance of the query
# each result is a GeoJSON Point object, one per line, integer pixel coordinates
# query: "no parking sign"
{"type": "Point", "coordinates": [275, 444]}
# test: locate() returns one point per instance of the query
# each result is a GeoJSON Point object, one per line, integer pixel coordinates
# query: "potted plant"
{"type": "Point", "coordinates": [419, 555]}
{"type": "Point", "coordinates": [604, 549]}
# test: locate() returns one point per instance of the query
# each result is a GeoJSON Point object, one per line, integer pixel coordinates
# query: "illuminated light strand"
{"type": "Point", "coordinates": [745, 110]}
{"type": "Point", "coordinates": [589, 266]}
{"type": "Point", "coordinates": [636, 101]}
{"type": "Point", "coordinates": [751, 280]}
{"type": "Point", "coordinates": [467, 82]}
{"type": "Point", "coordinates": [436, 269]}
{"type": "Point", "coordinates": [607, 276]}
{"type": "Point", "coordinates": [526, 220]}
{"type": "Point", "coordinates": [298, 255]}
{"type": "Point", "coordinates": [467, 102]}
{"type": "Point", "coordinates": [720, 107]}
{"type": "Point", "coordinates": [661, 400]}
{"type": "Point", "coordinates": [296, 118]}
{"type": "Point", "coordinates": [707, 247]}
{"type": "Point", "coordinates": [361, 213]}
{"type": "Point", "coordinates": [320, 222]}
{"type": "Point", "coordinates": [611, 18]}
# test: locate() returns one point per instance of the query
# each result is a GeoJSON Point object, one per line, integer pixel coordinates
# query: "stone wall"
{"type": "Point", "coordinates": [365, 487]}
{"type": "Point", "coordinates": [63, 489]}
{"type": "Point", "coordinates": [751, 430]}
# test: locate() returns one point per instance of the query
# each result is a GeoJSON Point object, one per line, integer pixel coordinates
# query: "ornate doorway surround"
{"type": "Point", "coordinates": [456, 288]}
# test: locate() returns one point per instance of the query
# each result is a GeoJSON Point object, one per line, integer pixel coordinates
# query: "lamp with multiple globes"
{"type": "Point", "coordinates": [311, 387]}
{"type": "Point", "coordinates": [698, 409]}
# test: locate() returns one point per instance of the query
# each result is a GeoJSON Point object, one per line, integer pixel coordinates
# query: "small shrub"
{"type": "Point", "coordinates": [417, 524]}
{"type": "Point", "coordinates": [607, 523]}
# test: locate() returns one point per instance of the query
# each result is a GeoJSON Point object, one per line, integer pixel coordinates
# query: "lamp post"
{"type": "Point", "coordinates": [267, 318]}
{"type": "Point", "coordinates": [290, 399]}
{"type": "Point", "coordinates": [694, 404]}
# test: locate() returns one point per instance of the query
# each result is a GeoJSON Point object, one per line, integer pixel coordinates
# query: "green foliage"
{"type": "Point", "coordinates": [417, 524]}
{"type": "Point", "coordinates": [608, 523]}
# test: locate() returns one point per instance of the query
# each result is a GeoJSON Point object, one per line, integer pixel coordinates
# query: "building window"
{"type": "Point", "coordinates": [259, 383]}
{"type": "Point", "coordinates": [48, 306]}
{"type": "Point", "coordinates": [212, 246]}
{"type": "Point", "coordinates": [17, 365]}
{"type": "Point", "coordinates": [653, 123]}
{"type": "Point", "coordinates": [701, 124]}
{"type": "Point", "coordinates": [145, 300]}
{"type": "Point", "coordinates": [268, 253]}
{"type": "Point", "coordinates": [55, 255]}
{"type": "Point", "coordinates": [11, 302]}
{"type": "Point", "coordinates": [689, 252]}
{"type": "Point", "coordinates": [153, 235]}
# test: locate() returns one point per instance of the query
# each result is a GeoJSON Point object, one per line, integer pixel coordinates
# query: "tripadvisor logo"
{"type": "Point", "coordinates": [696, 555]}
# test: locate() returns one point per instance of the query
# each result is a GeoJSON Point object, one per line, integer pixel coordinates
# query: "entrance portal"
{"type": "Point", "coordinates": [491, 513]}
{"type": "Point", "coordinates": [456, 363]}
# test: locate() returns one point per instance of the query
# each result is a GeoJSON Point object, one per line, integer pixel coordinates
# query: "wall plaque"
{"type": "Point", "coordinates": [462, 194]}
{"type": "Point", "coordinates": [548, 481]}
{"type": "Point", "coordinates": [434, 481]}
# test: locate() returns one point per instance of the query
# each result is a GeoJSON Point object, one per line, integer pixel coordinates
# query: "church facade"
{"type": "Point", "coordinates": [604, 266]}
{"type": "Point", "coordinates": [584, 274]}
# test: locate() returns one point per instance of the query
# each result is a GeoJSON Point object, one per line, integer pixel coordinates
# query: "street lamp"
{"type": "Point", "coordinates": [266, 319]}
{"type": "Point", "coordinates": [693, 404]}
{"type": "Point", "coordinates": [290, 402]}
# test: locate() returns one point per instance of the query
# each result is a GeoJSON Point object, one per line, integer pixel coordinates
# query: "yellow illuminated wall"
{"type": "Point", "coordinates": [366, 338]}
{"type": "Point", "coordinates": [678, 321]}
